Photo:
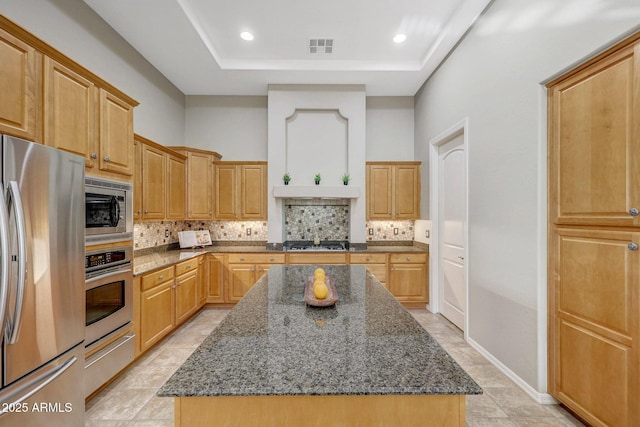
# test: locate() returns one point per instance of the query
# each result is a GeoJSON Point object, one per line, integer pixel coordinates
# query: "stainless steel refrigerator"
{"type": "Point", "coordinates": [41, 285]}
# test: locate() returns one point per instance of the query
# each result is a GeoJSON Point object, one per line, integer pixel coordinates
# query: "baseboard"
{"type": "Point", "coordinates": [541, 398]}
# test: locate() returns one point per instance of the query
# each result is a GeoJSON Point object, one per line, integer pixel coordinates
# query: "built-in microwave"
{"type": "Point", "coordinates": [108, 210]}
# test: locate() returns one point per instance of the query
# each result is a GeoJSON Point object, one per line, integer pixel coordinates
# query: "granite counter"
{"type": "Point", "coordinates": [272, 345]}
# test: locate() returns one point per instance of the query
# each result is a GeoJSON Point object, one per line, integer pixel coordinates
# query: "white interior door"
{"type": "Point", "coordinates": [452, 222]}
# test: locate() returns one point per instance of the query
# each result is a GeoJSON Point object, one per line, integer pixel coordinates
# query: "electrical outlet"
{"type": "Point", "coordinates": [426, 234]}
{"type": "Point", "coordinates": [248, 231]}
{"type": "Point", "coordinates": [166, 233]}
{"type": "Point", "coordinates": [371, 232]}
{"type": "Point", "coordinates": [395, 231]}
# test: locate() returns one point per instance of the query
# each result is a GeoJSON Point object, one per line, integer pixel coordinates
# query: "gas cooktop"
{"type": "Point", "coordinates": [327, 245]}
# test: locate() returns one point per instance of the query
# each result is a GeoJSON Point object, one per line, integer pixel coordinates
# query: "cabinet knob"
{"type": "Point", "coordinates": [161, 277]}
{"type": "Point", "coordinates": [139, 211]}
{"type": "Point", "coordinates": [368, 259]}
{"type": "Point", "coordinates": [146, 211]}
{"type": "Point", "coordinates": [94, 156]}
{"type": "Point", "coordinates": [209, 212]}
{"type": "Point", "coordinates": [408, 258]}
{"type": "Point", "coordinates": [253, 269]}
{"type": "Point", "coordinates": [107, 159]}
{"type": "Point", "coordinates": [389, 213]}
{"type": "Point", "coordinates": [392, 268]}
{"type": "Point", "coordinates": [633, 246]}
{"type": "Point", "coordinates": [241, 259]}
{"type": "Point", "coordinates": [634, 211]}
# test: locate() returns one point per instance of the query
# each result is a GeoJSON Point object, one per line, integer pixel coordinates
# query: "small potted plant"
{"type": "Point", "coordinates": [317, 178]}
{"type": "Point", "coordinates": [286, 178]}
{"type": "Point", "coordinates": [346, 179]}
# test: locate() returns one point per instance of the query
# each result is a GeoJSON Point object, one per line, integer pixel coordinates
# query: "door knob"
{"type": "Point", "coordinates": [634, 211]}
{"type": "Point", "coordinates": [633, 246]}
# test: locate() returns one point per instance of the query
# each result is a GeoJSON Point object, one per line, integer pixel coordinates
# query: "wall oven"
{"type": "Point", "coordinates": [109, 311]}
{"type": "Point", "coordinates": [108, 210]}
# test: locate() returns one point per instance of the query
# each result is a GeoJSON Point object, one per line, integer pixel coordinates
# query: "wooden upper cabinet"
{"type": "Point", "coordinates": [20, 104]}
{"type": "Point", "coordinates": [116, 134]}
{"type": "Point", "coordinates": [393, 190]}
{"type": "Point", "coordinates": [379, 191]}
{"type": "Point", "coordinates": [241, 190]}
{"type": "Point", "coordinates": [594, 144]}
{"type": "Point", "coordinates": [153, 182]}
{"type": "Point", "coordinates": [253, 191]}
{"type": "Point", "coordinates": [70, 120]}
{"type": "Point", "coordinates": [177, 187]}
{"type": "Point", "coordinates": [226, 190]}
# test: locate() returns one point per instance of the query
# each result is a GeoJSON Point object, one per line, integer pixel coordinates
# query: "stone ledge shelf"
{"type": "Point", "coordinates": [316, 191]}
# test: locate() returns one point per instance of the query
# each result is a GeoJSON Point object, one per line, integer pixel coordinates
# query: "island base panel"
{"type": "Point", "coordinates": [281, 411]}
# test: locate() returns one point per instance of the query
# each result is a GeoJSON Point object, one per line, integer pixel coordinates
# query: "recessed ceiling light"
{"type": "Point", "coordinates": [246, 35]}
{"type": "Point", "coordinates": [399, 38]}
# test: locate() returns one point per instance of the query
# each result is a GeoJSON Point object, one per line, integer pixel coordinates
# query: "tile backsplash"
{"type": "Point", "coordinates": [331, 222]}
{"type": "Point", "coordinates": [148, 234]}
{"type": "Point", "coordinates": [306, 218]}
{"type": "Point", "coordinates": [390, 230]}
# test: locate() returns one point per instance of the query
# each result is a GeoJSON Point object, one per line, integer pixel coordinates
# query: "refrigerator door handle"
{"type": "Point", "coordinates": [4, 258]}
{"type": "Point", "coordinates": [43, 380]}
{"type": "Point", "coordinates": [13, 328]}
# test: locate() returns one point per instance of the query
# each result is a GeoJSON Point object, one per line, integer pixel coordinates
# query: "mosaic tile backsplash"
{"type": "Point", "coordinates": [335, 220]}
{"type": "Point", "coordinates": [328, 219]}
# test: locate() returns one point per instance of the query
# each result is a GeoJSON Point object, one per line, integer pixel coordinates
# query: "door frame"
{"type": "Point", "coordinates": [461, 127]}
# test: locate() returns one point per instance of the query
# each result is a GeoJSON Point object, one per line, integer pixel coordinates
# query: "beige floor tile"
{"type": "Point", "coordinates": [488, 376]}
{"type": "Point", "coordinates": [157, 408]}
{"type": "Point", "coordinates": [542, 422]}
{"type": "Point", "coordinates": [516, 403]}
{"type": "Point", "coordinates": [105, 423]}
{"type": "Point", "coordinates": [490, 422]}
{"type": "Point", "coordinates": [121, 404]}
{"type": "Point", "coordinates": [170, 356]}
{"type": "Point", "coordinates": [467, 356]}
{"type": "Point", "coordinates": [482, 406]}
{"type": "Point", "coordinates": [148, 377]}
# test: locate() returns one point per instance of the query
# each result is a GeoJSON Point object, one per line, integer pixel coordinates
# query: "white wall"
{"type": "Point", "coordinates": [390, 135]}
{"type": "Point", "coordinates": [493, 79]}
{"type": "Point", "coordinates": [234, 126]}
{"type": "Point", "coordinates": [74, 29]}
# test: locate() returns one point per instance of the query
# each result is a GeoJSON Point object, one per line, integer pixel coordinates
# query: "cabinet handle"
{"type": "Point", "coordinates": [634, 211]}
{"type": "Point", "coordinates": [253, 269]}
{"type": "Point", "coordinates": [173, 287]}
{"type": "Point", "coordinates": [392, 268]}
{"type": "Point", "coordinates": [270, 259]}
{"type": "Point", "coordinates": [107, 159]}
{"type": "Point", "coordinates": [408, 258]}
{"type": "Point", "coordinates": [389, 213]}
{"type": "Point", "coordinates": [94, 156]}
{"type": "Point", "coordinates": [146, 211]}
{"type": "Point", "coordinates": [209, 212]}
{"type": "Point", "coordinates": [241, 259]}
{"type": "Point", "coordinates": [368, 259]}
{"type": "Point", "coordinates": [633, 246]}
{"type": "Point", "coordinates": [139, 211]}
{"type": "Point", "coordinates": [160, 277]}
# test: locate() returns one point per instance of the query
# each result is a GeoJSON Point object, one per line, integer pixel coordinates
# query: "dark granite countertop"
{"type": "Point", "coordinates": [272, 343]}
{"type": "Point", "coordinates": [155, 260]}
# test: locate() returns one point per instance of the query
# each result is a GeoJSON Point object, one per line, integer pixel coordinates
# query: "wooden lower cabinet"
{"type": "Point", "coordinates": [408, 278]}
{"type": "Point", "coordinates": [215, 269]}
{"type": "Point", "coordinates": [594, 363]}
{"type": "Point", "coordinates": [157, 313]}
{"type": "Point", "coordinates": [187, 292]}
{"type": "Point", "coordinates": [375, 263]}
{"type": "Point", "coordinates": [203, 280]}
{"type": "Point", "coordinates": [244, 270]}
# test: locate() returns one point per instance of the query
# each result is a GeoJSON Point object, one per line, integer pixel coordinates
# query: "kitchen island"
{"type": "Point", "coordinates": [274, 361]}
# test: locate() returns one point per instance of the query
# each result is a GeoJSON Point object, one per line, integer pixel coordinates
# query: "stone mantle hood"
{"type": "Point", "coordinates": [316, 192]}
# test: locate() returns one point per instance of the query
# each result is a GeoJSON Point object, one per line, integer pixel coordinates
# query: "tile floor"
{"type": "Point", "coordinates": [131, 401]}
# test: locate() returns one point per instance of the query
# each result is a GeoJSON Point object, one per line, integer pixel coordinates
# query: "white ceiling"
{"type": "Point", "coordinates": [196, 44]}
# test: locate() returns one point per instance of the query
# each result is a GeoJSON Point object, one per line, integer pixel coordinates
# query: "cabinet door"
{"type": "Point", "coordinates": [594, 324]}
{"type": "Point", "coordinates": [19, 86]}
{"type": "Point", "coordinates": [593, 144]}
{"type": "Point", "coordinates": [379, 191]}
{"type": "Point", "coordinates": [116, 134]}
{"type": "Point", "coordinates": [407, 192]}
{"type": "Point", "coordinates": [226, 191]}
{"type": "Point", "coordinates": [200, 186]}
{"type": "Point", "coordinates": [186, 296]}
{"type": "Point", "coordinates": [215, 266]}
{"type": "Point", "coordinates": [177, 186]}
{"type": "Point", "coordinates": [70, 112]}
{"type": "Point", "coordinates": [241, 278]}
{"type": "Point", "coordinates": [137, 180]}
{"type": "Point", "coordinates": [153, 182]}
{"type": "Point", "coordinates": [408, 282]}
{"type": "Point", "coordinates": [253, 200]}
{"type": "Point", "coordinates": [157, 313]}
{"type": "Point", "coordinates": [203, 280]}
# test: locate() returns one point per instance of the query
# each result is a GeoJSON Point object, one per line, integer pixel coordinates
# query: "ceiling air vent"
{"type": "Point", "coordinates": [320, 46]}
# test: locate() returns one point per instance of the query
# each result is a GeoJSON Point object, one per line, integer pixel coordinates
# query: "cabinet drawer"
{"type": "Point", "coordinates": [340, 258]}
{"type": "Point", "coordinates": [252, 258]}
{"type": "Point", "coordinates": [378, 270]}
{"type": "Point", "coordinates": [154, 279]}
{"type": "Point", "coordinates": [408, 258]}
{"type": "Point", "coordinates": [186, 266]}
{"type": "Point", "coordinates": [368, 258]}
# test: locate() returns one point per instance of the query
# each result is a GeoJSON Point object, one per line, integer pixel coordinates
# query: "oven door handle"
{"type": "Point", "coordinates": [115, 211]}
{"type": "Point", "coordinates": [107, 275]}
